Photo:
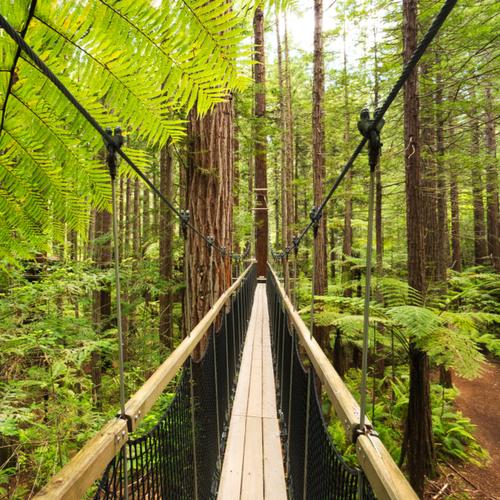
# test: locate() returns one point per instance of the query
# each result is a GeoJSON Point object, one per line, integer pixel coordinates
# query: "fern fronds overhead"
{"type": "Point", "coordinates": [139, 63]}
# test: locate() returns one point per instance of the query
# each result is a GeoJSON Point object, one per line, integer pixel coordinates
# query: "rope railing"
{"type": "Point", "coordinates": [315, 468]}
{"type": "Point", "coordinates": [161, 463]}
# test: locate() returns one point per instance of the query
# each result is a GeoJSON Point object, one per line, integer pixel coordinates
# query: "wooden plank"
{"type": "Point", "coordinates": [274, 474]}
{"type": "Point", "coordinates": [142, 401]}
{"type": "Point", "coordinates": [269, 409]}
{"type": "Point", "coordinates": [240, 404]}
{"type": "Point", "coordinates": [385, 477]}
{"type": "Point", "coordinates": [255, 392]}
{"type": "Point", "coordinates": [230, 482]}
{"type": "Point", "coordinates": [257, 453]}
{"type": "Point", "coordinates": [252, 483]}
{"type": "Point", "coordinates": [73, 481]}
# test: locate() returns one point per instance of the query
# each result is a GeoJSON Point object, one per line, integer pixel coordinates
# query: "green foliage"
{"type": "Point", "coordinates": [45, 385]}
{"type": "Point", "coordinates": [140, 64]}
{"type": "Point", "coordinates": [453, 433]}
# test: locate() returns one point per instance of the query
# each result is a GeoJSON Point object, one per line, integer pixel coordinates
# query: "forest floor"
{"type": "Point", "coordinates": [480, 401]}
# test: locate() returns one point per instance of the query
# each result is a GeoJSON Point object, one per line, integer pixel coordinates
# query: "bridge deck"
{"type": "Point", "coordinates": [253, 462]}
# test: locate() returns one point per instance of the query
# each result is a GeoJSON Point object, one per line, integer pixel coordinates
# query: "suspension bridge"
{"type": "Point", "coordinates": [246, 418]}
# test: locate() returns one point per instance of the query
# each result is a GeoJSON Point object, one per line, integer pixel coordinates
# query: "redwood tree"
{"type": "Point", "coordinates": [418, 433]}
{"type": "Point", "coordinates": [261, 215]}
{"type": "Point", "coordinates": [166, 231]}
{"type": "Point", "coordinates": [209, 184]}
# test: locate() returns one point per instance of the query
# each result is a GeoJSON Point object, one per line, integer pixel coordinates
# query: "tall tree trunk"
{"type": "Point", "coordinates": [137, 220]}
{"type": "Point", "coordinates": [146, 215]}
{"type": "Point", "coordinates": [429, 174]}
{"type": "Point", "coordinates": [318, 152]}
{"type": "Point", "coordinates": [493, 216]}
{"type": "Point", "coordinates": [480, 243]}
{"type": "Point", "coordinates": [261, 214]}
{"type": "Point", "coordinates": [418, 432]}
{"type": "Point", "coordinates": [285, 194]}
{"type": "Point", "coordinates": [277, 199]}
{"type": "Point", "coordinates": [209, 199]}
{"type": "Point", "coordinates": [347, 242]}
{"type": "Point", "coordinates": [101, 299]}
{"type": "Point", "coordinates": [456, 248]}
{"type": "Point", "coordinates": [156, 204]}
{"type": "Point", "coordinates": [166, 231]}
{"type": "Point", "coordinates": [443, 246]}
{"type": "Point", "coordinates": [379, 230]}
{"type": "Point", "coordinates": [128, 219]}
{"type": "Point", "coordinates": [289, 149]}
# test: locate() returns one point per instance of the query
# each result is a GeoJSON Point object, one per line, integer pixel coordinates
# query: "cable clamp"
{"type": "Point", "coordinates": [370, 129]}
{"type": "Point", "coordinates": [184, 216]}
{"type": "Point", "coordinates": [127, 419]}
{"type": "Point", "coordinates": [210, 241]}
{"type": "Point", "coordinates": [295, 243]}
{"type": "Point", "coordinates": [368, 430]}
{"type": "Point", "coordinates": [113, 144]}
{"type": "Point", "coordinates": [315, 217]}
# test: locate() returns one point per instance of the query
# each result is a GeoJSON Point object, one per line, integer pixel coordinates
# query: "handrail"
{"type": "Point", "coordinates": [385, 477]}
{"type": "Point", "coordinates": [140, 403]}
{"type": "Point", "coordinates": [88, 465]}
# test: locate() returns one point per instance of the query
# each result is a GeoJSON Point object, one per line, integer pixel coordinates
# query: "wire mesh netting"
{"type": "Point", "coordinates": [170, 461]}
{"type": "Point", "coordinates": [315, 469]}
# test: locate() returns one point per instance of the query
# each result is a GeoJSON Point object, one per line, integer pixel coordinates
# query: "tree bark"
{"type": "Point", "coordinates": [289, 149]}
{"type": "Point", "coordinates": [480, 243]}
{"type": "Point", "coordinates": [209, 200]}
{"type": "Point", "coordinates": [418, 432]}
{"type": "Point", "coordinates": [166, 231]}
{"type": "Point", "coordinates": [261, 213]}
{"type": "Point", "coordinates": [429, 174]}
{"type": "Point", "coordinates": [285, 193]}
{"type": "Point", "coordinates": [101, 299]}
{"type": "Point", "coordinates": [456, 248]}
{"type": "Point", "coordinates": [318, 152]}
{"type": "Point", "coordinates": [146, 216]}
{"type": "Point", "coordinates": [443, 246]}
{"type": "Point", "coordinates": [137, 221]}
{"type": "Point", "coordinates": [493, 216]}
{"type": "Point", "coordinates": [347, 242]}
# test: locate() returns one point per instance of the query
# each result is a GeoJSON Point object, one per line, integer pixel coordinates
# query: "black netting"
{"type": "Point", "coordinates": [327, 476]}
{"type": "Point", "coordinates": [161, 462]}
{"type": "Point", "coordinates": [342, 481]}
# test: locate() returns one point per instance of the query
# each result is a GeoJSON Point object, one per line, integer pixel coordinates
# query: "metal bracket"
{"type": "Point", "coordinates": [368, 430]}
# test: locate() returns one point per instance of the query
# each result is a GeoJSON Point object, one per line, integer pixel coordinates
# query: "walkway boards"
{"type": "Point", "coordinates": [253, 462]}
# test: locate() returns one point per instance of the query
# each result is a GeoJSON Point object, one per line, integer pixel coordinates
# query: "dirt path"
{"type": "Point", "coordinates": [480, 401]}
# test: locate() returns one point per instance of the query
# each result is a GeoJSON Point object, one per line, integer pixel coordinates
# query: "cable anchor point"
{"type": "Point", "coordinates": [370, 129]}
{"type": "Point", "coordinates": [184, 216]}
{"type": "Point", "coordinates": [295, 244]}
{"type": "Point", "coordinates": [113, 144]}
{"type": "Point", "coordinates": [366, 430]}
{"type": "Point", "coordinates": [315, 217]}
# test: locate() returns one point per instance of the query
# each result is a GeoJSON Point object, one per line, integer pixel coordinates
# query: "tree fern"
{"type": "Point", "coordinates": [137, 63]}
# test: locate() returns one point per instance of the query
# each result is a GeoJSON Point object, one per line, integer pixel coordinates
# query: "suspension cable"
{"type": "Point", "coordinates": [108, 139]}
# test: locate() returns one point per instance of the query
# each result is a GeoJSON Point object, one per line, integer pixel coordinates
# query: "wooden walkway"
{"type": "Point", "coordinates": [253, 462]}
